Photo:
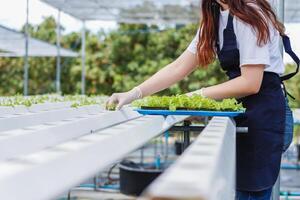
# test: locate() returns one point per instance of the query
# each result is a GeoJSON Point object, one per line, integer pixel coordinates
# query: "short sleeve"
{"type": "Point", "coordinates": [250, 52]}
{"type": "Point", "coordinates": [193, 45]}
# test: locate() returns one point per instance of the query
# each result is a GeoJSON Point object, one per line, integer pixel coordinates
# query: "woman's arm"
{"type": "Point", "coordinates": [171, 74]}
{"type": "Point", "coordinates": [247, 84]}
{"type": "Point", "coordinates": [164, 78]}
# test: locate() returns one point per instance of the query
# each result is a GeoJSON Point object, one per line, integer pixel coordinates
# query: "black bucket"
{"type": "Point", "coordinates": [134, 178]}
{"type": "Point", "coordinates": [178, 148]}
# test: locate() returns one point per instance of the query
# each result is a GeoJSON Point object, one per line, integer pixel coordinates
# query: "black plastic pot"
{"type": "Point", "coordinates": [134, 178]}
{"type": "Point", "coordinates": [178, 148]}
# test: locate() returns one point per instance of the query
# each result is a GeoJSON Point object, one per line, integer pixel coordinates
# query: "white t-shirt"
{"type": "Point", "coordinates": [250, 52]}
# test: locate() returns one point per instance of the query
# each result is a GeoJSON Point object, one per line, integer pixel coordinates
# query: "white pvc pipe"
{"type": "Point", "coordinates": [205, 170]}
{"type": "Point", "coordinates": [50, 172]}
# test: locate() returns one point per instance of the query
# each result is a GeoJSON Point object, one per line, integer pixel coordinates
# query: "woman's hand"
{"type": "Point", "coordinates": [196, 92]}
{"type": "Point", "coordinates": [121, 99]}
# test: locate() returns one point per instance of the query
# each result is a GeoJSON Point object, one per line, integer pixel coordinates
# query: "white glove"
{"type": "Point", "coordinates": [121, 99]}
{"type": "Point", "coordinates": [197, 92]}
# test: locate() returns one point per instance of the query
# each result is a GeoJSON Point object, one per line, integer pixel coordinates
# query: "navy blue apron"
{"type": "Point", "coordinates": [259, 151]}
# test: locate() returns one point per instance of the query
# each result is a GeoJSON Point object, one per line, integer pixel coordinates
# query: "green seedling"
{"type": "Point", "coordinates": [111, 107]}
{"type": "Point", "coordinates": [194, 102]}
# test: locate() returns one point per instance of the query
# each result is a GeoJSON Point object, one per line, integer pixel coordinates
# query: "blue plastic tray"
{"type": "Point", "coordinates": [189, 112]}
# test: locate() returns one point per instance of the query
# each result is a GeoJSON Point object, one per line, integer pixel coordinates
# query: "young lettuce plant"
{"type": "Point", "coordinates": [194, 102]}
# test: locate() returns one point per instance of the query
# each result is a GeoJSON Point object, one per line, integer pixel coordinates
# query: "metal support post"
{"type": "Point", "coordinates": [142, 156]}
{"type": "Point", "coordinates": [166, 134]}
{"type": "Point", "coordinates": [155, 148]}
{"type": "Point", "coordinates": [186, 135]}
{"type": "Point", "coordinates": [298, 151]}
{"type": "Point", "coordinates": [69, 195]}
{"type": "Point", "coordinates": [83, 57]}
{"type": "Point", "coordinates": [95, 180]}
{"type": "Point", "coordinates": [26, 61]}
{"type": "Point", "coordinates": [58, 57]}
{"type": "Point", "coordinates": [280, 14]}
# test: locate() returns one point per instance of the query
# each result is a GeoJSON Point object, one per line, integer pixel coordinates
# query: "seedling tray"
{"type": "Point", "coordinates": [190, 112]}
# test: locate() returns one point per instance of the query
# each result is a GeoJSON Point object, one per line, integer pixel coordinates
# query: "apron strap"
{"type": "Point", "coordinates": [230, 22]}
{"type": "Point", "coordinates": [291, 53]}
{"type": "Point", "coordinates": [286, 93]}
{"type": "Point", "coordinates": [288, 49]}
{"type": "Point", "coordinates": [229, 27]}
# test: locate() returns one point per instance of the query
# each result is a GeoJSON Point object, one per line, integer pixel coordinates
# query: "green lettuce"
{"type": "Point", "coordinates": [194, 102]}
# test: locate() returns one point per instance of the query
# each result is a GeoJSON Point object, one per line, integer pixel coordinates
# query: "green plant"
{"type": "Point", "coordinates": [111, 107]}
{"type": "Point", "coordinates": [76, 100]}
{"type": "Point", "coordinates": [194, 102]}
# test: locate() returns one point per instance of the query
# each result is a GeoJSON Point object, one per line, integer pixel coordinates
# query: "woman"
{"type": "Point", "coordinates": [244, 35]}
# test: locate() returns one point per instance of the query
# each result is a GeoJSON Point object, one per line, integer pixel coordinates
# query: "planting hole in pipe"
{"type": "Point", "coordinates": [212, 135]}
{"type": "Point", "coordinates": [194, 165]}
{"type": "Point", "coordinates": [205, 143]}
{"type": "Point", "coordinates": [200, 152]}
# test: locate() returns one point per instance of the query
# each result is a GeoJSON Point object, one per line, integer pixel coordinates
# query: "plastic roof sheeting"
{"type": "Point", "coordinates": [147, 11]}
{"type": "Point", "coordinates": [12, 44]}
{"type": "Point", "coordinates": [131, 11]}
{"type": "Point", "coordinates": [292, 11]}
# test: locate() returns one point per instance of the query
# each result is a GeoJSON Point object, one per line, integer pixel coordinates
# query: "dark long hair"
{"type": "Point", "coordinates": [257, 13]}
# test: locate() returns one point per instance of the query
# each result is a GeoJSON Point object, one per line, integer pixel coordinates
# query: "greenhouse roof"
{"type": "Point", "coordinates": [146, 11]}
{"type": "Point", "coordinates": [131, 11]}
{"type": "Point", "coordinates": [292, 11]}
{"type": "Point", "coordinates": [12, 44]}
